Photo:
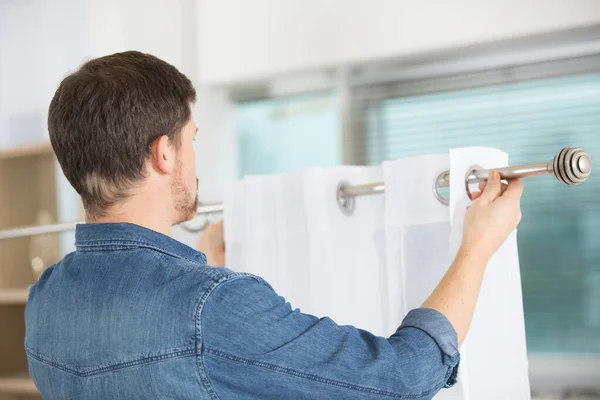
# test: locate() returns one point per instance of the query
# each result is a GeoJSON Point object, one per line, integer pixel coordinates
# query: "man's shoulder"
{"type": "Point", "coordinates": [211, 276]}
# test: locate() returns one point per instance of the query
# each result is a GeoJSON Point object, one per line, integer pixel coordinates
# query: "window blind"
{"type": "Point", "coordinates": [288, 133]}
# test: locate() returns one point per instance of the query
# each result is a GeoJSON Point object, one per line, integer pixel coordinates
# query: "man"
{"type": "Point", "coordinates": [134, 314]}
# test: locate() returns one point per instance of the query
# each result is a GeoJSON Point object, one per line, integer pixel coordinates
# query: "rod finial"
{"type": "Point", "coordinates": [572, 166]}
{"type": "Point", "coordinates": [585, 164]}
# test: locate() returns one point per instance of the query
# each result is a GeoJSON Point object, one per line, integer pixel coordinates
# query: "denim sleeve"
{"type": "Point", "coordinates": [254, 342]}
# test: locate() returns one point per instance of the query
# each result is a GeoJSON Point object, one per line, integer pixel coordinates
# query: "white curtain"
{"type": "Point", "coordinates": [370, 268]}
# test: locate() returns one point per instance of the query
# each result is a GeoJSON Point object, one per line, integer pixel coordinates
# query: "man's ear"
{"type": "Point", "coordinates": [163, 155]}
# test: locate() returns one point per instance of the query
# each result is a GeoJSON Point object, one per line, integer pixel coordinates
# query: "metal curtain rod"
{"type": "Point", "coordinates": [70, 226]}
{"type": "Point", "coordinates": [570, 166]}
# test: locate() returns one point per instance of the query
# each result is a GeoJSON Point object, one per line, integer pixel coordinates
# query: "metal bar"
{"type": "Point", "coordinates": [379, 187]}
{"type": "Point", "coordinates": [521, 171]}
{"type": "Point", "coordinates": [363, 190]}
{"type": "Point", "coordinates": [479, 175]}
{"type": "Point", "coordinates": [570, 166]}
{"type": "Point", "coordinates": [36, 230]}
{"type": "Point", "coordinates": [210, 208]}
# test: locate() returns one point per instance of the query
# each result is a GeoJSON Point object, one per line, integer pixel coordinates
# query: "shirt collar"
{"type": "Point", "coordinates": [110, 234]}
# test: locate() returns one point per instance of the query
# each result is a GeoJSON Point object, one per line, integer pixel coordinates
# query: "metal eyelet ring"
{"type": "Point", "coordinates": [443, 176]}
{"type": "Point", "coordinates": [471, 169]}
{"type": "Point", "coordinates": [345, 202]}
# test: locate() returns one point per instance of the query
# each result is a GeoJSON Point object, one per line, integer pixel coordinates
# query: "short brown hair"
{"type": "Point", "coordinates": [104, 117]}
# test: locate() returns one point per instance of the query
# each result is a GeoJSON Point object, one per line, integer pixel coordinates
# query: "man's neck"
{"type": "Point", "coordinates": [138, 212]}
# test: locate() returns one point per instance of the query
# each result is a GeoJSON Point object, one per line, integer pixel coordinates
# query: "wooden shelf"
{"type": "Point", "coordinates": [20, 383]}
{"type": "Point", "coordinates": [27, 195]}
{"type": "Point", "coordinates": [23, 151]}
{"type": "Point", "coordinates": [14, 296]}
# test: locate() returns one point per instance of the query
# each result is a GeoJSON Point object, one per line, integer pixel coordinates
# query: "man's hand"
{"type": "Point", "coordinates": [494, 214]}
{"type": "Point", "coordinates": [211, 243]}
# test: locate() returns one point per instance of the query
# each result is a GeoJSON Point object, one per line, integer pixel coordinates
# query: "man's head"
{"type": "Point", "coordinates": [121, 125]}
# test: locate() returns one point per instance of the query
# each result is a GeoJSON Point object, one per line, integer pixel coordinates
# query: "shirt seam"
{"type": "Point", "coordinates": [87, 372]}
{"type": "Point", "coordinates": [198, 327]}
{"type": "Point", "coordinates": [331, 382]}
{"type": "Point", "coordinates": [456, 353]}
{"type": "Point", "coordinates": [105, 245]}
{"type": "Point", "coordinates": [104, 242]}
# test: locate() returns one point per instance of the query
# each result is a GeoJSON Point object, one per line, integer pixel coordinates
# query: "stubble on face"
{"type": "Point", "coordinates": [185, 202]}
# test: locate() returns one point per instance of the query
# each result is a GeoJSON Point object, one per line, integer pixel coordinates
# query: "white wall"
{"type": "Point", "coordinates": [150, 26]}
{"type": "Point", "coordinates": [245, 40]}
{"type": "Point", "coordinates": [36, 50]}
{"type": "Point", "coordinates": [42, 41]}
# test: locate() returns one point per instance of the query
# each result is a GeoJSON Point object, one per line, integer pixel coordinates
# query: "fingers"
{"type": "Point", "coordinates": [514, 189]}
{"type": "Point", "coordinates": [216, 227]}
{"type": "Point", "coordinates": [482, 185]}
{"type": "Point", "coordinates": [493, 188]}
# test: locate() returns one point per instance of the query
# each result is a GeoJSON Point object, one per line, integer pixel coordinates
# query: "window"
{"type": "Point", "coordinates": [288, 134]}
{"type": "Point", "coordinates": [559, 237]}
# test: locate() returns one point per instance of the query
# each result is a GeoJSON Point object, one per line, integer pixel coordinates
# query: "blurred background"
{"type": "Point", "coordinates": [288, 84]}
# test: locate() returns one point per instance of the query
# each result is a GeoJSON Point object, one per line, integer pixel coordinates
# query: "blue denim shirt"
{"type": "Point", "coordinates": [134, 314]}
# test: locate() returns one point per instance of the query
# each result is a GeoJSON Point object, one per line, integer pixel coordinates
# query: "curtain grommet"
{"type": "Point", "coordinates": [345, 202]}
{"type": "Point", "coordinates": [469, 177]}
{"type": "Point", "coordinates": [441, 180]}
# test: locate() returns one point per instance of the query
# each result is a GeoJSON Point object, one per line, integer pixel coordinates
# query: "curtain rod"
{"type": "Point", "coordinates": [70, 226]}
{"type": "Point", "coordinates": [570, 166]}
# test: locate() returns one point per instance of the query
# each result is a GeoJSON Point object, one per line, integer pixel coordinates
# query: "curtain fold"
{"type": "Point", "coordinates": [347, 257]}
